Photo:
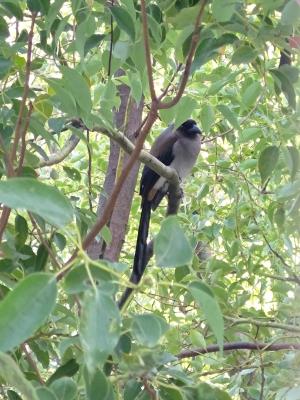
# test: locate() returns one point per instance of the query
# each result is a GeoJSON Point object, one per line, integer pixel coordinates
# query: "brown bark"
{"type": "Point", "coordinates": [128, 119]}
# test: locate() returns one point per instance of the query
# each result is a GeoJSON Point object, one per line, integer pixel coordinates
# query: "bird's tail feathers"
{"type": "Point", "coordinates": [140, 259]}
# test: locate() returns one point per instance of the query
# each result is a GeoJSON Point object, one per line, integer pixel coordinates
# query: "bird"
{"type": "Point", "coordinates": [178, 149]}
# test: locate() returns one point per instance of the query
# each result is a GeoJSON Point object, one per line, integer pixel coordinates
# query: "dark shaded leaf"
{"type": "Point", "coordinates": [267, 162]}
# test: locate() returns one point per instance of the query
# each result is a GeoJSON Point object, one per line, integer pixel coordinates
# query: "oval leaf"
{"type": "Point", "coordinates": [267, 162]}
{"type": "Point", "coordinates": [99, 327]}
{"type": "Point", "coordinates": [34, 196]}
{"type": "Point", "coordinates": [124, 20]}
{"type": "Point", "coordinates": [251, 94]}
{"type": "Point", "coordinates": [26, 308]}
{"type": "Point", "coordinates": [205, 298]}
{"type": "Point", "coordinates": [207, 116]}
{"type": "Point", "coordinates": [13, 376]}
{"type": "Point", "coordinates": [171, 247]}
{"type": "Point", "coordinates": [148, 329]}
{"type": "Point", "coordinates": [64, 388]}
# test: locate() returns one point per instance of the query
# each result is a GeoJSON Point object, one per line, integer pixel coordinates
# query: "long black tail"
{"type": "Point", "coordinates": [139, 263]}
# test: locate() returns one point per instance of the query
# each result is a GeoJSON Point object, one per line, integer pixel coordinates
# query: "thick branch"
{"type": "Point", "coordinates": [238, 346]}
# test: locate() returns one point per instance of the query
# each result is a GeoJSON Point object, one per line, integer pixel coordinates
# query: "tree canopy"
{"type": "Point", "coordinates": [86, 86]}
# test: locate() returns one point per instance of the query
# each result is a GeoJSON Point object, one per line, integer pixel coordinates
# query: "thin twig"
{"type": "Point", "coordinates": [18, 131]}
{"type": "Point", "coordinates": [147, 51]}
{"type": "Point", "coordinates": [32, 363]}
{"type": "Point", "coordinates": [44, 242]}
{"type": "Point", "coordinates": [23, 138]}
{"type": "Point", "coordinates": [89, 172]}
{"type": "Point", "coordinates": [186, 72]}
{"type": "Point", "coordinates": [58, 157]}
{"type": "Point", "coordinates": [238, 346]}
{"type": "Point", "coordinates": [266, 324]}
{"type": "Point", "coordinates": [165, 91]}
{"type": "Point", "coordinates": [111, 42]}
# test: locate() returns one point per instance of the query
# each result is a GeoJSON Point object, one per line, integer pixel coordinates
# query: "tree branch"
{"type": "Point", "coordinates": [18, 130]}
{"type": "Point", "coordinates": [238, 346]}
{"type": "Point", "coordinates": [147, 51]}
{"type": "Point", "coordinates": [58, 157]}
{"type": "Point", "coordinates": [266, 324]}
{"type": "Point", "coordinates": [186, 72]}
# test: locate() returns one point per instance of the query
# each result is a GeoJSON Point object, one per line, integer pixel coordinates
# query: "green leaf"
{"type": "Point", "coordinates": [197, 338]}
{"type": "Point", "coordinates": [37, 293]}
{"type": "Point", "coordinates": [83, 32]}
{"type": "Point", "coordinates": [292, 157]}
{"type": "Point", "coordinates": [41, 6]}
{"type": "Point", "coordinates": [13, 377]}
{"type": "Point", "coordinates": [288, 191]}
{"type": "Point", "coordinates": [171, 247]}
{"type": "Point", "coordinates": [186, 16]}
{"type": "Point", "coordinates": [248, 134]}
{"type": "Point", "coordinates": [186, 105]}
{"type": "Point", "coordinates": [223, 10]}
{"type": "Point", "coordinates": [5, 65]}
{"type": "Point", "coordinates": [124, 20]}
{"type": "Point", "coordinates": [21, 229]}
{"type": "Point", "coordinates": [208, 392]}
{"type": "Point", "coordinates": [77, 280]}
{"type": "Point", "coordinates": [13, 9]}
{"type": "Point", "coordinates": [267, 162]}
{"type": "Point", "coordinates": [291, 13]}
{"type": "Point", "coordinates": [244, 55]}
{"type": "Point", "coordinates": [279, 218]}
{"type": "Point", "coordinates": [251, 94]}
{"type": "Point", "coordinates": [72, 173]}
{"type": "Point", "coordinates": [34, 196]}
{"type": "Point", "coordinates": [285, 85]}
{"type": "Point", "coordinates": [207, 117]}
{"type": "Point", "coordinates": [4, 32]}
{"type": "Point", "coordinates": [41, 258]}
{"type": "Point", "coordinates": [148, 329]}
{"type": "Point", "coordinates": [45, 393]}
{"type": "Point", "coordinates": [78, 87]}
{"type": "Point", "coordinates": [52, 14]}
{"type": "Point", "coordinates": [98, 386]}
{"type": "Point", "coordinates": [205, 298]}
{"type": "Point", "coordinates": [229, 115]}
{"type": "Point", "coordinates": [99, 327]}
{"type": "Point", "coordinates": [64, 388]}
{"type": "Point", "coordinates": [132, 389]}
{"type": "Point", "coordinates": [63, 99]}
{"type": "Point", "coordinates": [170, 393]}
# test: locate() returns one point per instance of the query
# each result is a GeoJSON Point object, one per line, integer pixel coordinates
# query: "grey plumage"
{"type": "Point", "coordinates": [178, 149]}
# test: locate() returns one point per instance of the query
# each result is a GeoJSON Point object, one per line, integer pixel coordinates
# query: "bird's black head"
{"type": "Point", "coordinates": [189, 128]}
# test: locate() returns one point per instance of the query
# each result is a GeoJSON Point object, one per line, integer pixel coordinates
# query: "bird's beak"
{"type": "Point", "coordinates": [195, 129]}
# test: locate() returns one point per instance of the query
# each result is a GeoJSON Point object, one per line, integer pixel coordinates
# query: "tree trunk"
{"type": "Point", "coordinates": [128, 119]}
